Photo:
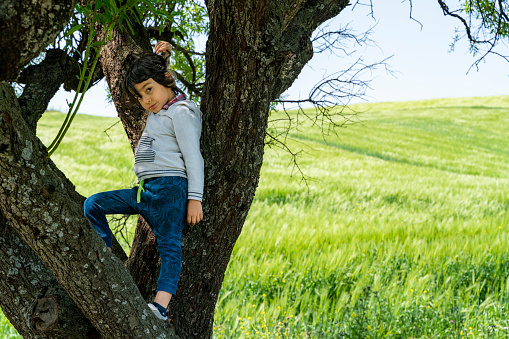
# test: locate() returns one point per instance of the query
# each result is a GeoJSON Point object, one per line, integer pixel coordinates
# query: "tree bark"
{"type": "Point", "coordinates": [30, 296]}
{"type": "Point", "coordinates": [43, 81]}
{"type": "Point", "coordinates": [255, 51]}
{"type": "Point", "coordinates": [26, 28]}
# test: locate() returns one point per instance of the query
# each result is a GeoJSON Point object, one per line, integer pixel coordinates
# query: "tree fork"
{"type": "Point", "coordinates": [43, 81]}
{"type": "Point", "coordinates": [254, 52]}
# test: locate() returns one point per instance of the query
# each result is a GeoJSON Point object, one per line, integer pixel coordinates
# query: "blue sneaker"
{"type": "Point", "coordinates": [159, 311]}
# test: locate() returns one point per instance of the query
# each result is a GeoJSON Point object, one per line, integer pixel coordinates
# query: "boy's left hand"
{"type": "Point", "coordinates": [194, 212]}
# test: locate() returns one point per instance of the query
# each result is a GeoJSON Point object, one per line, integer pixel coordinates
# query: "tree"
{"type": "Point", "coordinates": [57, 280]}
{"type": "Point", "coordinates": [255, 50]}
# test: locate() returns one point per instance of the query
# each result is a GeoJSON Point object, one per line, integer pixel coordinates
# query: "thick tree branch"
{"type": "Point", "coordinates": [296, 48]}
{"type": "Point", "coordinates": [39, 30]}
{"type": "Point", "coordinates": [42, 82]}
{"type": "Point", "coordinates": [95, 279]}
{"type": "Point", "coordinates": [72, 81]}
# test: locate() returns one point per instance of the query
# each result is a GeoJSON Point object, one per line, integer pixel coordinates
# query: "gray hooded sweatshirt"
{"type": "Point", "coordinates": [170, 146]}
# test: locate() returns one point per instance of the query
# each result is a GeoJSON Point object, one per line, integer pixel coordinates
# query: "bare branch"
{"type": "Point", "coordinates": [333, 94]}
{"type": "Point", "coordinates": [410, 14]}
{"type": "Point", "coordinates": [485, 24]}
{"type": "Point", "coordinates": [194, 89]}
{"type": "Point", "coordinates": [179, 48]}
{"type": "Point", "coordinates": [121, 229]}
{"type": "Point", "coordinates": [107, 129]}
{"type": "Point", "coordinates": [359, 3]}
{"type": "Point", "coordinates": [275, 141]}
{"type": "Point", "coordinates": [330, 110]}
{"type": "Point", "coordinates": [325, 40]}
{"type": "Point", "coordinates": [454, 14]}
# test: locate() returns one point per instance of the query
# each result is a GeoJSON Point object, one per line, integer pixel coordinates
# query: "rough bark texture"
{"type": "Point", "coordinates": [255, 51]}
{"type": "Point", "coordinates": [26, 28]}
{"type": "Point", "coordinates": [24, 282]}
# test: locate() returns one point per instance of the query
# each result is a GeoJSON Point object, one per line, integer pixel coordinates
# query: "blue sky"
{"type": "Point", "coordinates": [421, 59]}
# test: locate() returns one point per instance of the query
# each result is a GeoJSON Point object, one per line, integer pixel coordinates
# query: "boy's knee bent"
{"type": "Point", "coordinates": [90, 205]}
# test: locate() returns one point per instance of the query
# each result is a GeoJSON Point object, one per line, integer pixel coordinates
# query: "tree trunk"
{"type": "Point", "coordinates": [254, 52]}
{"type": "Point", "coordinates": [43, 81]}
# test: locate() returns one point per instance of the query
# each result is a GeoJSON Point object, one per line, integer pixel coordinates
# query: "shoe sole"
{"type": "Point", "coordinates": [156, 312]}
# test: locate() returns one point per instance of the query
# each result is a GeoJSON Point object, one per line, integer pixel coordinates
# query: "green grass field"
{"type": "Point", "coordinates": [400, 230]}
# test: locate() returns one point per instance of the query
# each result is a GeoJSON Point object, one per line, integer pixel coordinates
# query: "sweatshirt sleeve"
{"type": "Point", "coordinates": [187, 125]}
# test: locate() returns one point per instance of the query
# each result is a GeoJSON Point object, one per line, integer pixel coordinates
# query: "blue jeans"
{"type": "Point", "coordinates": [163, 205]}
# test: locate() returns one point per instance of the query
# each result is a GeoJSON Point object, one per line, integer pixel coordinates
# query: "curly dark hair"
{"type": "Point", "coordinates": [145, 66]}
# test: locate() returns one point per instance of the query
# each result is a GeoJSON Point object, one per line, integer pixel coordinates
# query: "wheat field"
{"type": "Point", "coordinates": [395, 226]}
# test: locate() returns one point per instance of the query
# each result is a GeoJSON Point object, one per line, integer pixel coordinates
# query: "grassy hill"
{"type": "Point", "coordinates": [400, 229]}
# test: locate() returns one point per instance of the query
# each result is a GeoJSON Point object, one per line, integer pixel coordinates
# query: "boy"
{"type": "Point", "coordinates": [169, 167]}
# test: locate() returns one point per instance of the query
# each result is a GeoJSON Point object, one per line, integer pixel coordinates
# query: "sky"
{"type": "Point", "coordinates": [422, 64]}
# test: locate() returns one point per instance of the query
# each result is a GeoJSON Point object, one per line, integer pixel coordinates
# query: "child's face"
{"type": "Point", "coordinates": [152, 95]}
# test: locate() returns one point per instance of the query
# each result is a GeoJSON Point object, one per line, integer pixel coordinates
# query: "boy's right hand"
{"type": "Point", "coordinates": [162, 47]}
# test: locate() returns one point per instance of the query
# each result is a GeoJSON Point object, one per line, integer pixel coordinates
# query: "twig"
{"type": "Point", "coordinates": [107, 129]}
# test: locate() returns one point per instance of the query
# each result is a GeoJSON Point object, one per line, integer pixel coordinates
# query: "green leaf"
{"type": "Point", "coordinates": [113, 7]}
